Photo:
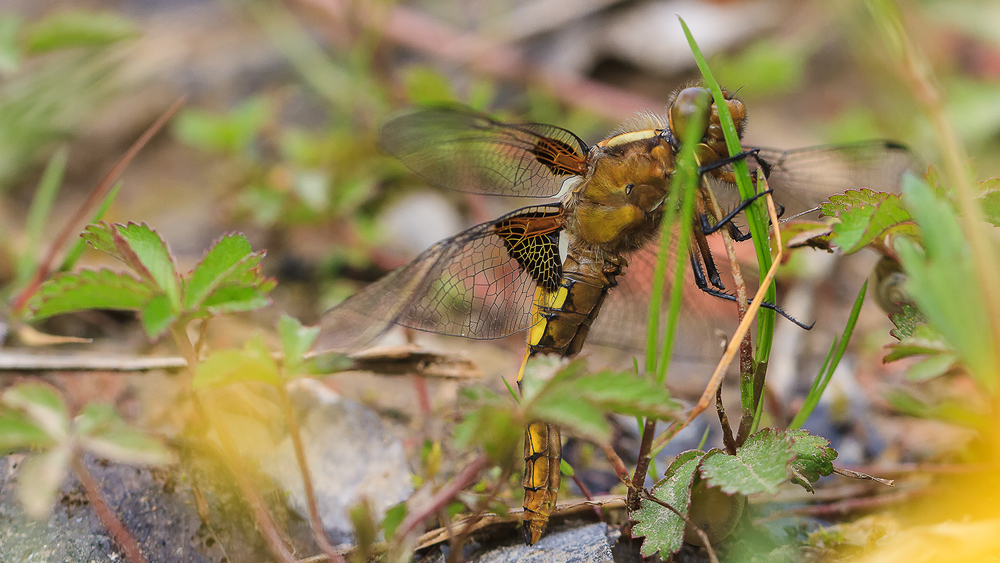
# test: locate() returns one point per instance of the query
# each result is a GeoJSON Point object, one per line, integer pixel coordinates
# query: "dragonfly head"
{"type": "Point", "coordinates": [693, 106]}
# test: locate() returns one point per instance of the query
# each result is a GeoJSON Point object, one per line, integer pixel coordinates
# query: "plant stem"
{"type": "Point", "coordinates": [119, 533]}
{"type": "Point", "coordinates": [641, 466]}
{"type": "Point", "coordinates": [465, 478]}
{"type": "Point", "coordinates": [319, 533]}
{"type": "Point", "coordinates": [267, 526]}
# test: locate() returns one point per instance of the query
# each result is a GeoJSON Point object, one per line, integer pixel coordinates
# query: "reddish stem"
{"type": "Point", "coordinates": [467, 477]}
{"type": "Point", "coordinates": [307, 485]}
{"type": "Point", "coordinates": [94, 199]}
{"type": "Point", "coordinates": [119, 533]}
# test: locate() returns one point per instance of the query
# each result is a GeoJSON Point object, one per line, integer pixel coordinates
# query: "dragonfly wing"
{"type": "Point", "coordinates": [625, 313]}
{"type": "Point", "coordinates": [805, 177]}
{"type": "Point", "coordinates": [463, 150]}
{"type": "Point", "coordinates": [478, 284]}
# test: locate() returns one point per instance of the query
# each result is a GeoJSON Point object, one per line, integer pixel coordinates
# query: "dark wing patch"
{"type": "Point", "coordinates": [533, 240]}
{"type": "Point", "coordinates": [463, 150]}
{"type": "Point", "coordinates": [468, 285]}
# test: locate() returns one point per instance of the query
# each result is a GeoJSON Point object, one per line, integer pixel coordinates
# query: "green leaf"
{"type": "Point", "coordinates": [223, 367]}
{"type": "Point", "coordinates": [944, 284]}
{"type": "Point", "coordinates": [296, 340]}
{"type": "Point", "coordinates": [101, 289]}
{"type": "Point", "coordinates": [866, 215]}
{"type": "Point", "coordinates": [813, 455]}
{"type": "Point", "coordinates": [78, 29]}
{"type": "Point", "coordinates": [493, 428]}
{"type": "Point", "coordinates": [40, 477]}
{"type": "Point", "coordinates": [906, 321]}
{"type": "Point", "coordinates": [101, 236]}
{"type": "Point", "coordinates": [76, 250]}
{"type": "Point", "coordinates": [759, 466]}
{"type": "Point", "coordinates": [221, 259]}
{"type": "Point", "coordinates": [43, 405]}
{"type": "Point", "coordinates": [426, 85]}
{"type": "Point", "coordinates": [571, 397]}
{"type": "Point", "coordinates": [142, 249]}
{"type": "Point", "coordinates": [236, 298]}
{"type": "Point", "coordinates": [105, 434]}
{"type": "Point", "coordinates": [230, 133]}
{"type": "Point", "coordinates": [931, 367]}
{"type": "Point", "coordinates": [18, 432]}
{"type": "Point", "coordinates": [663, 529]}
{"type": "Point", "coordinates": [157, 315]}
{"type": "Point", "coordinates": [393, 518]}
{"type": "Point", "coordinates": [922, 340]}
{"type": "Point", "coordinates": [991, 200]}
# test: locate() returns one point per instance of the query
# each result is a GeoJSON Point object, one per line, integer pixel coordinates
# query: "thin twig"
{"type": "Point", "coordinates": [231, 453]}
{"type": "Point", "coordinates": [697, 529]}
{"type": "Point", "coordinates": [319, 533]}
{"type": "Point", "coordinates": [14, 361]}
{"type": "Point", "coordinates": [119, 533]}
{"type": "Point", "coordinates": [727, 357]}
{"type": "Point", "coordinates": [94, 199]}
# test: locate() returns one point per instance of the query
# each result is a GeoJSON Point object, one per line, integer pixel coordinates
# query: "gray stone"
{"type": "Point", "coordinates": [586, 544]}
{"type": "Point", "coordinates": [156, 506]}
{"type": "Point", "coordinates": [351, 457]}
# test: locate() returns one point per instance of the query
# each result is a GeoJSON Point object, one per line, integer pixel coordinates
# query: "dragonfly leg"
{"type": "Point", "coordinates": [709, 272]}
{"type": "Point", "coordinates": [739, 209]}
{"type": "Point", "coordinates": [716, 164]}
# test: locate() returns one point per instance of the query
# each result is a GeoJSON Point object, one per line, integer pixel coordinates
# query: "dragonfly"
{"type": "Point", "coordinates": [510, 274]}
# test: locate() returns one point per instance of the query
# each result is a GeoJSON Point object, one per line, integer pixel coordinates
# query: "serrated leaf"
{"type": "Point", "coordinates": [219, 261]}
{"type": "Point", "coordinates": [89, 289]}
{"type": "Point", "coordinates": [662, 528]}
{"type": "Point", "coordinates": [296, 340]}
{"type": "Point", "coordinates": [813, 455]}
{"type": "Point", "coordinates": [144, 250]}
{"type": "Point", "coordinates": [40, 477]}
{"type": "Point", "coordinates": [906, 321]}
{"type": "Point", "coordinates": [251, 363]}
{"type": "Point", "coordinates": [101, 237]}
{"type": "Point", "coordinates": [235, 299]}
{"type": "Point", "coordinates": [18, 432]}
{"type": "Point", "coordinates": [579, 416]}
{"type": "Point", "coordinates": [624, 393]}
{"type": "Point", "coordinates": [77, 29]}
{"type": "Point", "coordinates": [853, 199]}
{"type": "Point", "coordinates": [922, 340]}
{"type": "Point", "coordinates": [866, 215]}
{"type": "Point", "coordinates": [43, 405]}
{"type": "Point", "coordinates": [157, 315]}
{"type": "Point", "coordinates": [759, 466]}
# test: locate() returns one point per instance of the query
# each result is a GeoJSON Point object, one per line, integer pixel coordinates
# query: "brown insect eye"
{"type": "Point", "coordinates": [686, 106]}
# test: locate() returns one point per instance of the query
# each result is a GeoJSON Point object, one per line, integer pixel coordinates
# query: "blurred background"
{"type": "Point", "coordinates": [284, 100]}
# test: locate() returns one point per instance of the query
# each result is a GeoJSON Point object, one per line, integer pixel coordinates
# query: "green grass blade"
{"type": "Point", "coordinates": [78, 247]}
{"type": "Point", "coordinates": [831, 363]}
{"type": "Point", "coordinates": [756, 213]}
{"type": "Point", "coordinates": [38, 214]}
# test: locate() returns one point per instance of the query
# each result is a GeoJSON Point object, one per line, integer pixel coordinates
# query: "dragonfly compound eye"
{"type": "Point", "coordinates": [690, 103]}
